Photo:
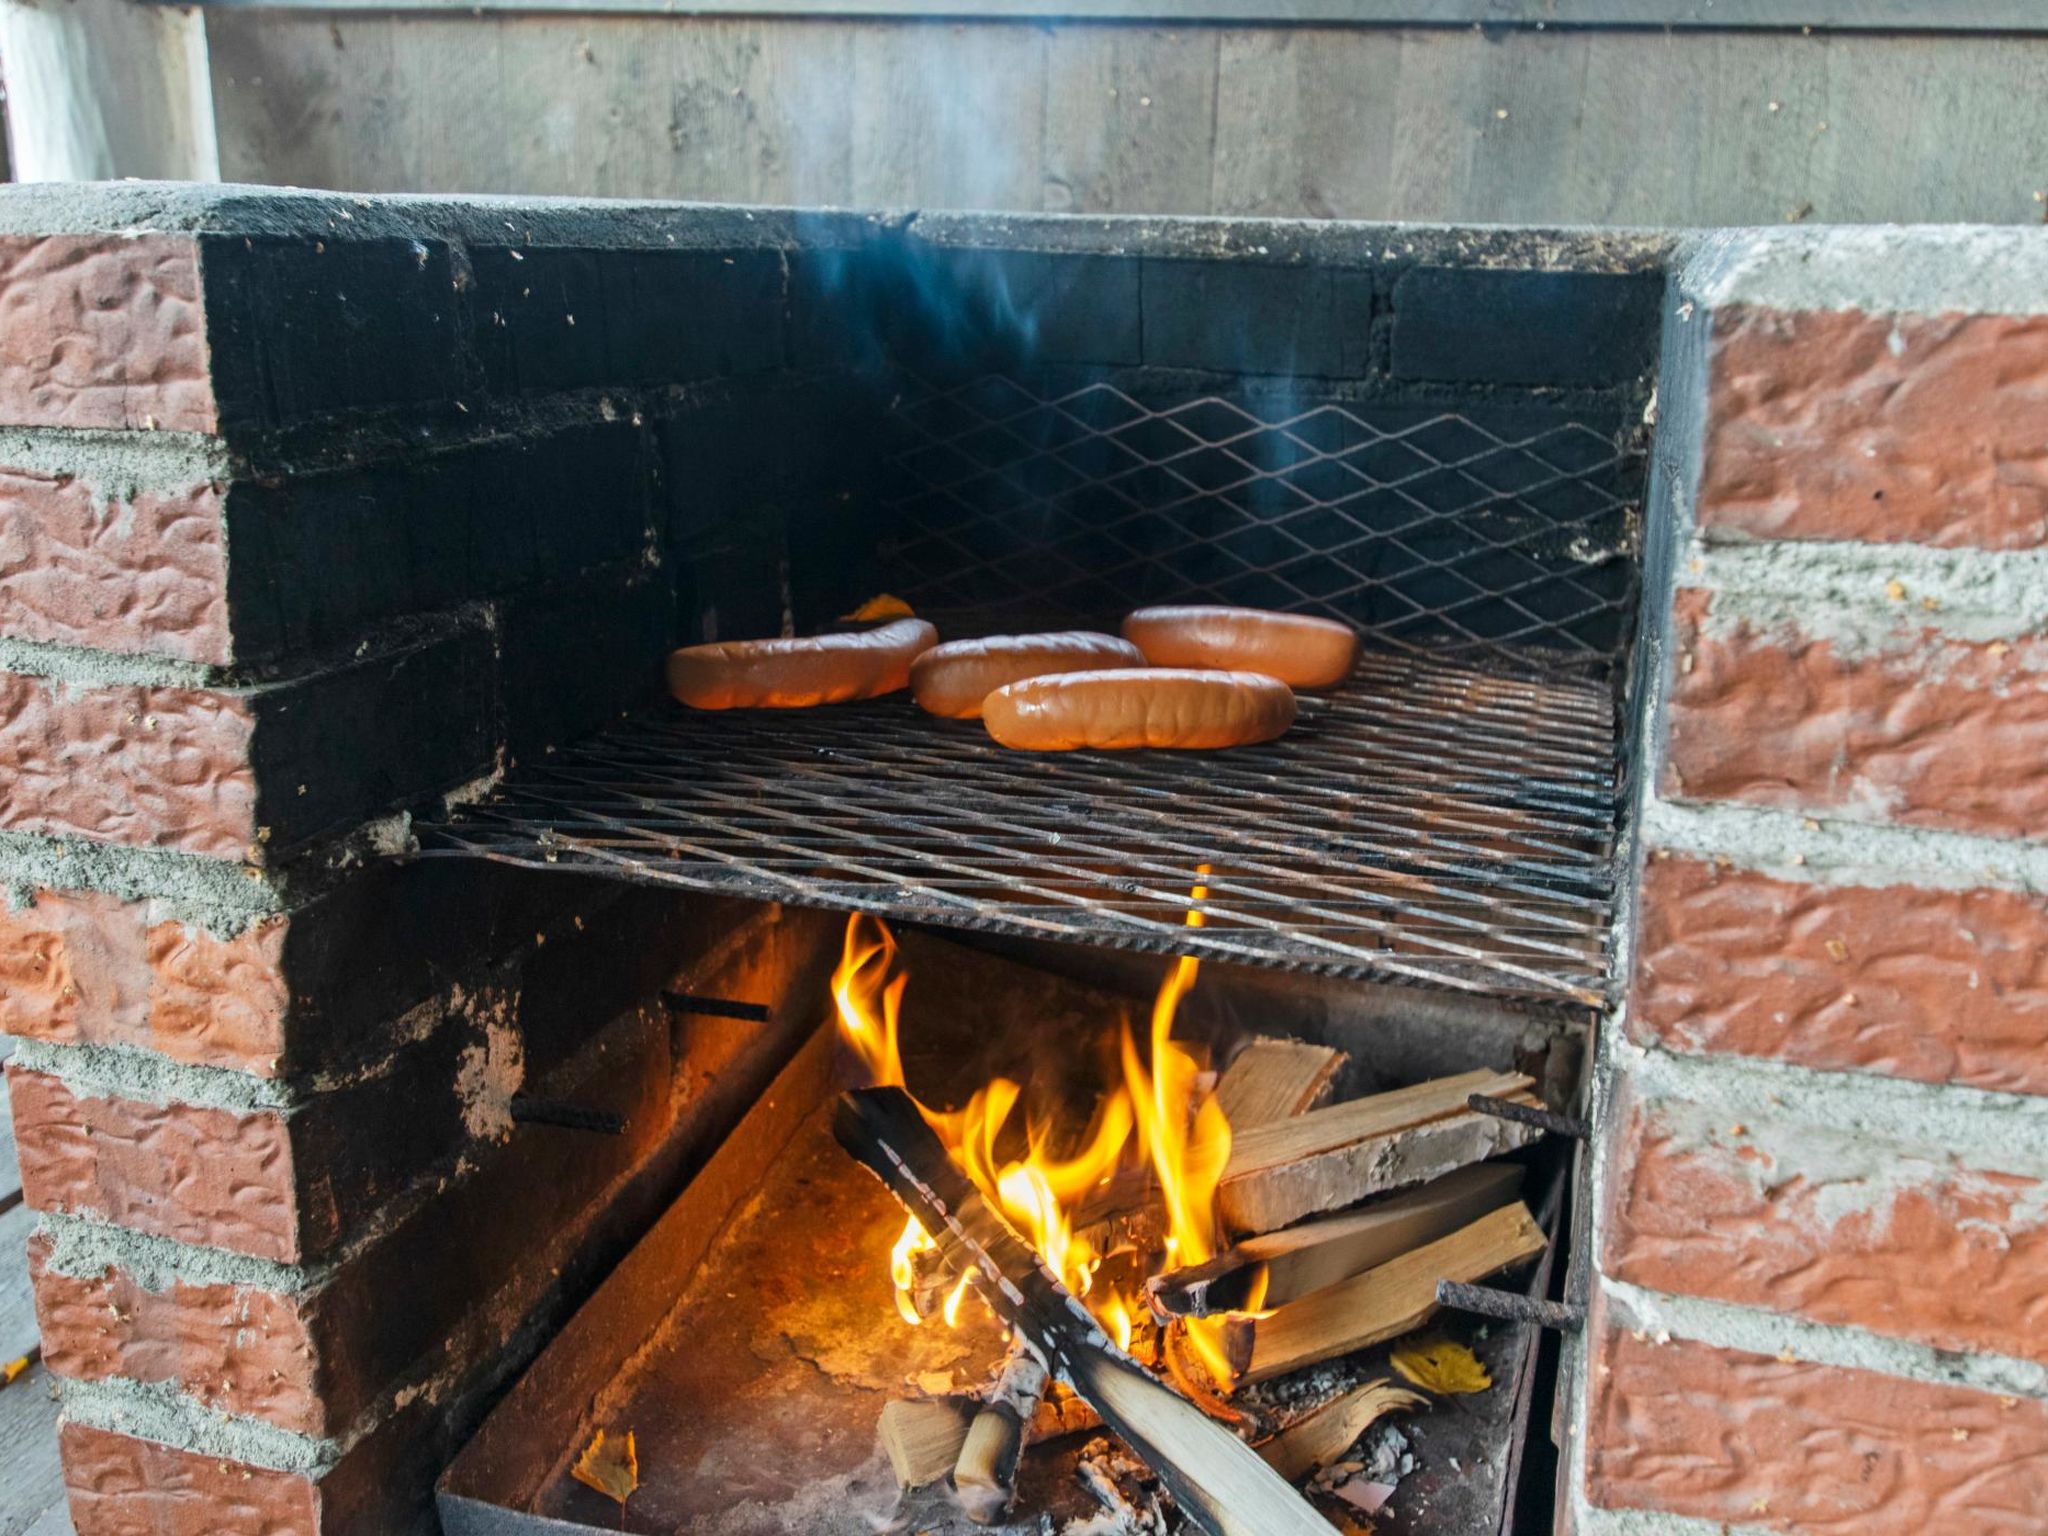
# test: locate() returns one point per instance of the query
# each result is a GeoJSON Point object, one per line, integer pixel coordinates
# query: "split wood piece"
{"type": "Point", "coordinates": [1299, 1260]}
{"type": "Point", "coordinates": [985, 1476]}
{"type": "Point", "coordinates": [1325, 1435]}
{"type": "Point", "coordinates": [1274, 1079]}
{"type": "Point", "coordinates": [1270, 1079]}
{"type": "Point", "coordinates": [1218, 1481]}
{"type": "Point", "coordinates": [923, 1437]}
{"type": "Point", "coordinates": [1379, 1304]}
{"type": "Point", "coordinates": [1330, 1158]}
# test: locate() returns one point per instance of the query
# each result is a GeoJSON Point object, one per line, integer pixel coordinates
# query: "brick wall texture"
{"type": "Point", "coordinates": [303, 524]}
{"type": "Point", "coordinates": [1877, 437]}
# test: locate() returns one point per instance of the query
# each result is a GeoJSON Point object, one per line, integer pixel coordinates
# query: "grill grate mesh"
{"type": "Point", "coordinates": [1431, 822]}
{"type": "Point", "coordinates": [1509, 538]}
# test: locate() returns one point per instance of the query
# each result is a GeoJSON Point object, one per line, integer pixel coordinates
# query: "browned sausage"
{"type": "Point", "coordinates": [1302, 652]}
{"type": "Point", "coordinates": [1139, 707]}
{"type": "Point", "coordinates": [952, 679]}
{"type": "Point", "coordinates": [795, 674]}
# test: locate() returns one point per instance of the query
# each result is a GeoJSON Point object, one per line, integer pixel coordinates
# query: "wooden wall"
{"type": "Point", "coordinates": [1604, 126]}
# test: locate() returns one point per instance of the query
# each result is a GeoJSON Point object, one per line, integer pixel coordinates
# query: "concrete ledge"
{"type": "Point", "coordinates": [1916, 268]}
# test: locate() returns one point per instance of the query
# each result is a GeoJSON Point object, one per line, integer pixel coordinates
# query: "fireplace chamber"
{"type": "Point", "coordinates": [351, 843]}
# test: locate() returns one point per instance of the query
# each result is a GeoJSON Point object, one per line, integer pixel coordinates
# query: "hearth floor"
{"type": "Point", "coordinates": [754, 1406]}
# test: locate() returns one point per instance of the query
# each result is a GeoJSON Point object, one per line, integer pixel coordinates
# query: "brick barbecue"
{"type": "Point", "coordinates": [323, 518]}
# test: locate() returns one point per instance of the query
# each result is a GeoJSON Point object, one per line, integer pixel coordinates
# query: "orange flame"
{"type": "Point", "coordinates": [1185, 1135]}
{"type": "Point", "coordinates": [869, 1000]}
{"type": "Point", "coordinates": [1159, 1114]}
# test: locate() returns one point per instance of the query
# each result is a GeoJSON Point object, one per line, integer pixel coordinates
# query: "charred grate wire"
{"type": "Point", "coordinates": [1433, 532]}
{"type": "Point", "coordinates": [1432, 822]}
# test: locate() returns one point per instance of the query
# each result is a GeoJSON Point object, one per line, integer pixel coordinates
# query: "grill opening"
{"type": "Point", "coordinates": [1446, 818]}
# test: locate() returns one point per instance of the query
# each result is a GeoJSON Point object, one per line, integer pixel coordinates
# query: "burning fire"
{"type": "Point", "coordinates": [1160, 1116]}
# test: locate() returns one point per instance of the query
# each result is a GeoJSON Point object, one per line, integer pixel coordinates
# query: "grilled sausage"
{"type": "Point", "coordinates": [795, 674]}
{"type": "Point", "coordinates": [1302, 652]}
{"type": "Point", "coordinates": [952, 679]}
{"type": "Point", "coordinates": [1139, 707]}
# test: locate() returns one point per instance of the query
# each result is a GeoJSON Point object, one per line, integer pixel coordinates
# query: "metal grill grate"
{"type": "Point", "coordinates": [1510, 538]}
{"type": "Point", "coordinates": [1432, 822]}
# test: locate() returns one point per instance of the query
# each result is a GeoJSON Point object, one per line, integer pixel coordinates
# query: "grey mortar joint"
{"type": "Point", "coordinates": [111, 1071]}
{"type": "Point", "coordinates": [1757, 1332]}
{"type": "Point", "coordinates": [1591, 1520]}
{"type": "Point", "coordinates": [86, 1250]}
{"type": "Point", "coordinates": [1834, 851]}
{"type": "Point", "coordinates": [83, 667]}
{"type": "Point", "coordinates": [225, 899]}
{"type": "Point", "coordinates": [159, 1411]}
{"type": "Point", "coordinates": [118, 464]}
{"type": "Point", "coordinates": [1980, 1128]}
{"type": "Point", "coordinates": [1865, 598]}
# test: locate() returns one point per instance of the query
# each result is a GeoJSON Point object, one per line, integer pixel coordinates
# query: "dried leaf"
{"type": "Point", "coordinates": [1440, 1366]}
{"type": "Point", "coordinates": [878, 608]}
{"type": "Point", "coordinates": [610, 1466]}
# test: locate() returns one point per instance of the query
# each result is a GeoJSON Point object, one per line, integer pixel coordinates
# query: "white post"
{"type": "Point", "coordinates": [102, 89]}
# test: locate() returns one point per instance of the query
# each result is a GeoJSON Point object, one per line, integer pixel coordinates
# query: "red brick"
{"type": "Point", "coordinates": [78, 967]}
{"type": "Point", "coordinates": [103, 330]}
{"type": "Point", "coordinates": [1939, 986]}
{"type": "Point", "coordinates": [147, 767]}
{"type": "Point", "coordinates": [212, 1176]}
{"type": "Point", "coordinates": [240, 1349]}
{"type": "Point", "coordinates": [90, 564]}
{"type": "Point", "coordinates": [1934, 732]}
{"type": "Point", "coordinates": [1753, 1441]}
{"type": "Point", "coordinates": [124, 1486]}
{"type": "Point", "coordinates": [1880, 1238]}
{"type": "Point", "coordinates": [121, 1486]}
{"type": "Point", "coordinates": [1846, 425]}
{"type": "Point", "coordinates": [313, 1361]}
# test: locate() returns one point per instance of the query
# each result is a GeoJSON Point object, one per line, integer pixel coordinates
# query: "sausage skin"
{"type": "Point", "coordinates": [1302, 652]}
{"type": "Point", "coordinates": [952, 679]}
{"type": "Point", "coordinates": [1139, 707]}
{"type": "Point", "coordinates": [796, 674]}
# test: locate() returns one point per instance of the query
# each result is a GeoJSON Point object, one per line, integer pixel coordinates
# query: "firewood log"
{"type": "Point", "coordinates": [1379, 1304]}
{"type": "Point", "coordinates": [1284, 1266]}
{"type": "Point", "coordinates": [1330, 1158]}
{"type": "Point", "coordinates": [1217, 1480]}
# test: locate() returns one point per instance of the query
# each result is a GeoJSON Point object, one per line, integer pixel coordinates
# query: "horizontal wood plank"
{"type": "Point", "coordinates": [1681, 15]}
{"type": "Point", "coordinates": [17, 1307]}
{"type": "Point", "coordinates": [31, 1481]}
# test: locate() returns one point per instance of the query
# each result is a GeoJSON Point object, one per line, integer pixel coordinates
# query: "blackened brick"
{"type": "Point", "coordinates": [1470, 325]}
{"type": "Point", "coordinates": [578, 655]}
{"type": "Point", "coordinates": [302, 327]}
{"type": "Point", "coordinates": [1243, 317]}
{"type": "Point", "coordinates": [988, 309]}
{"type": "Point", "coordinates": [552, 319]}
{"type": "Point", "coordinates": [337, 748]}
{"type": "Point", "coordinates": [320, 556]}
{"type": "Point", "coordinates": [680, 316]}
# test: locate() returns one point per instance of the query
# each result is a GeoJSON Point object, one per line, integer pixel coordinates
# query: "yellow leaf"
{"type": "Point", "coordinates": [610, 1466]}
{"type": "Point", "coordinates": [883, 607]}
{"type": "Point", "coordinates": [1437, 1365]}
